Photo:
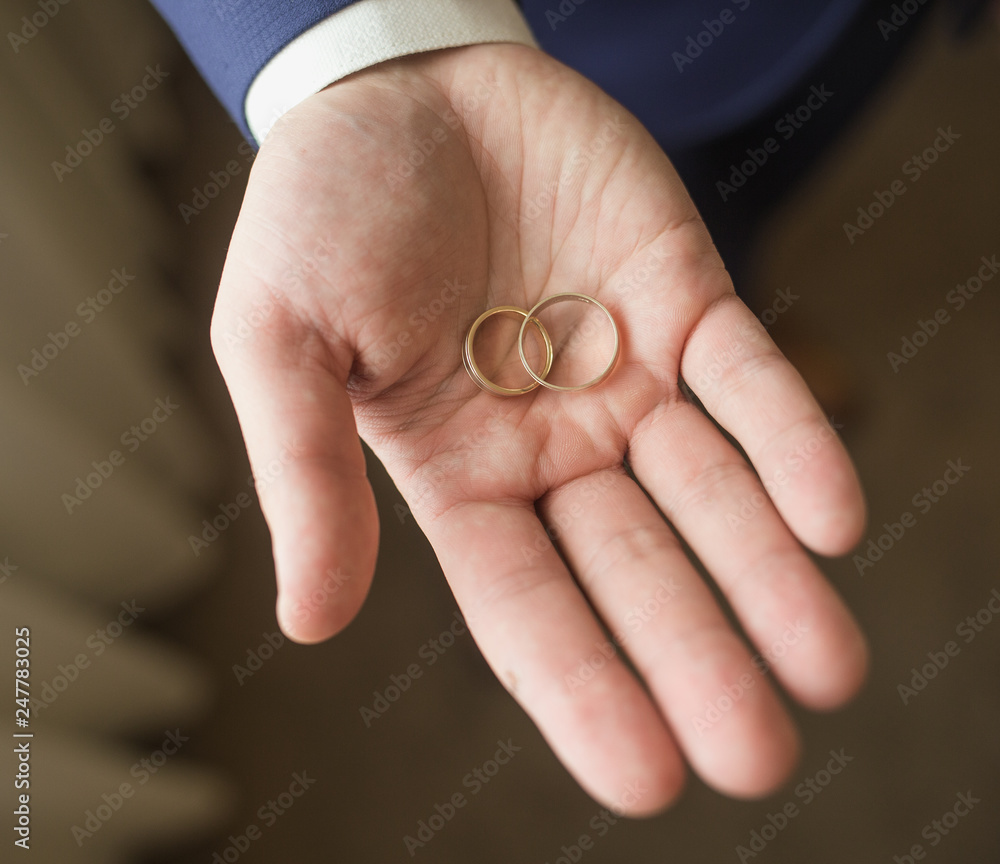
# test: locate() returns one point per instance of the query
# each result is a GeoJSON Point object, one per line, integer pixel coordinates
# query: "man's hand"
{"type": "Point", "coordinates": [354, 272]}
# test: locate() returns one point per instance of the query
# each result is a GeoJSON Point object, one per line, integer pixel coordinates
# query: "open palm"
{"type": "Point", "coordinates": [387, 212]}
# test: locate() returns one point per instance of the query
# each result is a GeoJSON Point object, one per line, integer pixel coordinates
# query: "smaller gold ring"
{"type": "Point", "coordinates": [532, 314]}
{"type": "Point", "coordinates": [472, 367]}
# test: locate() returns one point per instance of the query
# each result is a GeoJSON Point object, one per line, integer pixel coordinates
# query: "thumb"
{"type": "Point", "coordinates": [308, 464]}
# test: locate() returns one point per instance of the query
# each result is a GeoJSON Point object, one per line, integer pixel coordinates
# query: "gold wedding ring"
{"type": "Point", "coordinates": [532, 315]}
{"type": "Point", "coordinates": [472, 367]}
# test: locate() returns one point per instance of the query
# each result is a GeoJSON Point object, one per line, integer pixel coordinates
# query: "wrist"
{"type": "Point", "coordinates": [370, 32]}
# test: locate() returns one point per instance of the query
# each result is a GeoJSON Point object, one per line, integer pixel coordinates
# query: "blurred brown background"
{"type": "Point", "coordinates": [291, 710]}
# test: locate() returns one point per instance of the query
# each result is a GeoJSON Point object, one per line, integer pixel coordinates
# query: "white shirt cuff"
{"type": "Point", "coordinates": [369, 32]}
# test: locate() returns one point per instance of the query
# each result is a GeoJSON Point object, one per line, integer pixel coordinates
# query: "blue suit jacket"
{"type": "Point", "coordinates": [690, 70]}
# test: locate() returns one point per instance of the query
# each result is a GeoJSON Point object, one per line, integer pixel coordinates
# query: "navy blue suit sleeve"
{"type": "Point", "coordinates": [230, 41]}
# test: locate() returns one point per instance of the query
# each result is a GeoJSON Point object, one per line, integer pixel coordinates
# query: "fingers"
{"type": "Point", "coordinates": [719, 707]}
{"type": "Point", "coordinates": [751, 390]}
{"type": "Point", "coordinates": [309, 469]}
{"type": "Point", "coordinates": [535, 628]}
{"type": "Point", "coordinates": [707, 491]}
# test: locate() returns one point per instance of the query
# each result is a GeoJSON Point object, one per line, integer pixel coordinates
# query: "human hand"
{"type": "Point", "coordinates": [517, 201]}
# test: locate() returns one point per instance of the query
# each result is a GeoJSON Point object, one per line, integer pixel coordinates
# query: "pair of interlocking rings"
{"type": "Point", "coordinates": [530, 316]}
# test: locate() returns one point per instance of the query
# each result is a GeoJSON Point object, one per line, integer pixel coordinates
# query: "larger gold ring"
{"type": "Point", "coordinates": [472, 367]}
{"type": "Point", "coordinates": [532, 315]}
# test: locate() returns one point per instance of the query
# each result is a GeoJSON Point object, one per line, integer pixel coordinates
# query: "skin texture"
{"type": "Point", "coordinates": [537, 183]}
